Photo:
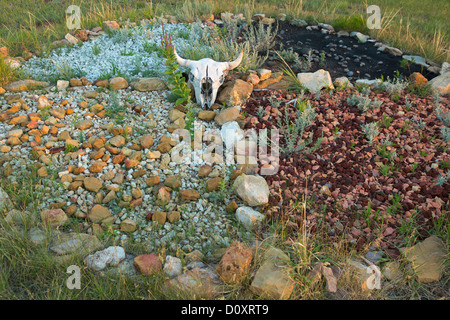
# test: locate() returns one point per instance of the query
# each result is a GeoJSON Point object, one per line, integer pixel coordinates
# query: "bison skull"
{"type": "Point", "coordinates": [207, 76]}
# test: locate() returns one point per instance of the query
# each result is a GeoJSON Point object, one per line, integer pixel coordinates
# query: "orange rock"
{"type": "Point", "coordinates": [18, 120]}
{"type": "Point", "coordinates": [15, 108]}
{"type": "Point", "coordinates": [69, 111]}
{"type": "Point", "coordinates": [64, 102]}
{"type": "Point", "coordinates": [83, 104]}
{"type": "Point", "coordinates": [234, 265]}
{"type": "Point", "coordinates": [45, 130]}
{"type": "Point", "coordinates": [54, 131]}
{"type": "Point", "coordinates": [118, 159]}
{"type": "Point", "coordinates": [418, 79]}
{"type": "Point", "coordinates": [147, 264]}
{"type": "Point", "coordinates": [32, 125]}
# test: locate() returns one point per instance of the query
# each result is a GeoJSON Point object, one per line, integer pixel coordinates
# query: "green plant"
{"type": "Point", "coordinates": [7, 73]}
{"type": "Point", "coordinates": [296, 85]}
{"type": "Point", "coordinates": [95, 49]}
{"type": "Point", "coordinates": [288, 55]}
{"type": "Point", "coordinates": [261, 38]}
{"type": "Point", "coordinates": [70, 148]}
{"type": "Point", "coordinates": [124, 52]}
{"type": "Point", "coordinates": [175, 76]}
{"type": "Point", "coordinates": [364, 103]}
{"type": "Point", "coordinates": [370, 130]}
{"type": "Point", "coordinates": [322, 60]}
{"type": "Point", "coordinates": [444, 117]}
{"type": "Point", "coordinates": [355, 22]}
{"type": "Point", "coordinates": [386, 121]}
{"type": "Point", "coordinates": [292, 132]}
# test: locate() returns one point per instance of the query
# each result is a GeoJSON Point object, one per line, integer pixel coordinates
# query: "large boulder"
{"type": "Point", "coordinates": [235, 262]}
{"type": "Point", "coordinates": [272, 278]}
{"type": "Point", "coordinates": [441, 84]}
{"type": "Point", "coordinates": [252, 189]}
{"type": "Point", "coordinates": [427, 259]}
{"type": "Point", "coordinates": [235, 93]}
{"type": "Point", "coordinates": [315, 81]}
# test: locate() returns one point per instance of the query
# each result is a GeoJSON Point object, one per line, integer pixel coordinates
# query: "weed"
{"type": "Point", "coordinates": [386, 121]}
{"type": "Point", "coordinates": [96, 49]}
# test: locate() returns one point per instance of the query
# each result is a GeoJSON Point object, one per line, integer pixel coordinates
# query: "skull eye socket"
{"type": "Point", "coordinates": [222, 79]}
{"type": "Point", "coordinates": [191, 77]}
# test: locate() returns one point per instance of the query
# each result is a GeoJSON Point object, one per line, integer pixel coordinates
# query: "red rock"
{"type": "Point", "coordinates": [147, 264]}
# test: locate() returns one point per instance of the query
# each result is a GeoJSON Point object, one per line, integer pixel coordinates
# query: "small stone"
{"type": "Point", "coordinates": [98, 213]}
{"type": "Point", "coordinates": [172, 267]}
{"type": "Point", "coordinates": [146, 141]}
{"type": "Point", "coordinates": [249, 218]}
{"type": "Point", "coordinates": [173, 216]}
{"type": "Point", "coordinates": [228, 114]}
{"type": "Point", "coordinates": [204, 170]}
{"type": "Point", "coordinates": [128, 225]}
{"type": "Point", "coordinates": [189, 195]}
{"type": "Point", "coordinates": [92, 184]}
{"type": "Point", "coordinates": [253, 190]}
{"type": "Point", "coordinates": [207, 115]}
{"type": "Point", "coordinates": [159, 216]}
{"type": "Point", "coordinates": [173, 182]}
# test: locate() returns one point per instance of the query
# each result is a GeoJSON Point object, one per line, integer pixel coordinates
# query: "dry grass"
{"type": "Point", "coordinates": [417, 27]}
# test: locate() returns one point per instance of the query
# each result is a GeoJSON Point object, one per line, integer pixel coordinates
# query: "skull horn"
{"type": "Point", "coordinates": [182, 62]}
{"type": "Point", "coordinates": [233, 64]}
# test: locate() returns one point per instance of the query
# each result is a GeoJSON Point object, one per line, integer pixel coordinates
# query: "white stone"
{"type": "Point", "coordinates": [314, 81]}
{"type": "Point", "coordinates": [252, 189]}
{"type": "Point", "coordinates": [416, 59]}
{"type": "Point", "coordinates": [71, 39]}
{"type": "Point", "coordinates": [445, 68]}
{"type": "Point", "coordinates": [249, 217]}
{"type": "Point", "coordinates": [361, 37]}
{"type": "Point", "coordinates": [62, 85]}
{"type": "Point", "coordinates": [172, 267]}
{"type": "Point", "coordinates": [110, 256]}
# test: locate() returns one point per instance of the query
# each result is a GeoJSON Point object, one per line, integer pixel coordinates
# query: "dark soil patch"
{"type": "Point", "coordinates": [369, 203]}
{"type": "Point", "coordinates": [342, 55]}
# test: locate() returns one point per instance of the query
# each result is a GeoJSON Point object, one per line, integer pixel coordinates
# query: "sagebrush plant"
{"type": "Point", "coordinates": [292, 131]}
{"type": "Point", "coordinates": [175, 76]}
{"type": "Point", "coordinates": [288, 55]}
{"type": "Point", "coordinates": [444, 117]}
{"type": "Point", "coordinates": [261, 37]}
{"type": "Point", "coordinates": [370, 130]}
{"type": "Point", "coordinates": [363, 102]}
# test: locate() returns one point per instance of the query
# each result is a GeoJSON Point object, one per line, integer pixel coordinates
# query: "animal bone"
{"type": "Point", "coordinates": [207, 76]}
